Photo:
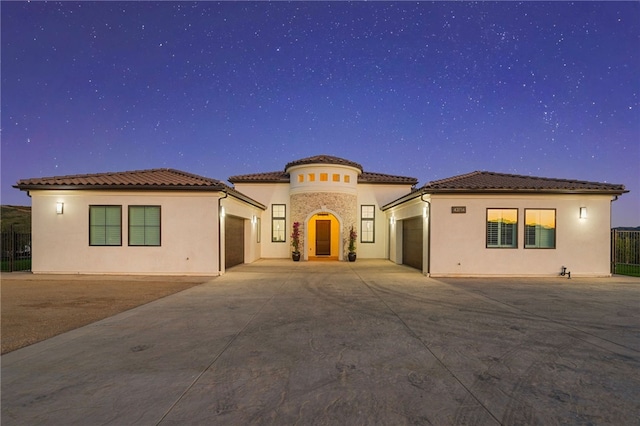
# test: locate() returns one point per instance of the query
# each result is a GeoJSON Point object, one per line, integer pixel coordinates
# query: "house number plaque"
{"type": "Point", "coordinates": [458, 209]}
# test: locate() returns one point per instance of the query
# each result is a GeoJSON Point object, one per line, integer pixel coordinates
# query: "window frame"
{"type": "Point", "coordinates": [555, 229]}
{"type": "Point", "coordinates": [282, 219]}
{"type": "Point", "coordinates": [514, 244]}
{"type": "Point", "coordinates": [105, 225]}
{"type": "Point", "coordinates": [159, 226]}
{"type": "Point", "coordinates": [368, 220]}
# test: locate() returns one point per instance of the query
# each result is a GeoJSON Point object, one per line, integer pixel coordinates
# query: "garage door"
{"type": "Point", "coordinates": [412, 242]}
{"type": "Point", "coordinates": [233, 241]}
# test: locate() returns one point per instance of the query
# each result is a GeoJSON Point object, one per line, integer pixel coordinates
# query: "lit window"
{"type": "Point", "coordinates": [502, 228]}
{"type": "Point", "coordinates": [144, 225]}
{"type": "Point", "coordinates": [336, 177]}
{"type": "Point", "coordinates": [278, 223]}
{"type": "Point", "coordinates": [324, 177]}
{"type": "Point", "coordinates": [347, 178]}
{"type": "Point", "coordinates": [367, 224]}
{"type": "Point", "coordinates": [539, 228]}
{"type": "Point", "coordinates": [105, 225]}
{"type": "Point", "coordinates": [300, 177]}
{"type": "Point", "coordinates": [312, 177]}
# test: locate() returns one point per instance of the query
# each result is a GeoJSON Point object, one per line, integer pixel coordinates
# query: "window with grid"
{"type": "Point", "coordinates": [144, 225]}
{"type": "Point", "coordinates": [502, 228]}
{"type": "Point", "coordinates": [367, 222]}
{"type": "Point", "coordinates": [278, 223]}
{"type": "Point", "coordinates": [540, 228]}
{"type": "Point", "coordinates": [105, 225]}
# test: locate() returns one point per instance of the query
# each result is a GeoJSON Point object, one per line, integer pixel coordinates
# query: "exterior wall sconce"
{"type": "Point", "coordinates": [222, 213]}
{"type": "Point", "coordinates": [59, 208]}
{"type": "Point", "coordinates": [583, 212]}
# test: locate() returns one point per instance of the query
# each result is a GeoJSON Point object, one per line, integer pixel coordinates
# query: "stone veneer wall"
{"type": "Point", "coordinates": [344, 205]}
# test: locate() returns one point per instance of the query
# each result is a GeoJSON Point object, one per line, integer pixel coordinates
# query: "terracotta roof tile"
{"type": "Point", "coordinates": [481, 181]}
{"type": "Point", "coordinates": [268, 177]}
{"type": "Point", "coordinates": [323, 159]}
{"type": "Point", "coordinates": [149, 179]}
{"type": "Point", "coordinates": [367, 177]}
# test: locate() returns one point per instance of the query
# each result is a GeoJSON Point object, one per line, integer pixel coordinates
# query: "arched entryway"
{"type": "Point", "coordinates": [323, 237]}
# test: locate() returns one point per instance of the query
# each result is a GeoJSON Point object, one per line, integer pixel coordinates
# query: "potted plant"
{"type": "Point", "coordinates": [295, 242]}
{"type": "Point", "coordinates": [352, 244]}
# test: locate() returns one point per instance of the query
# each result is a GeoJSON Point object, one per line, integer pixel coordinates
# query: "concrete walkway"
{"type": "Point", "coordinates": [370, 342]}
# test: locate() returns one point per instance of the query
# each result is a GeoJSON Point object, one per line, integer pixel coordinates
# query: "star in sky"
{"type": "Point", "coordinates": [420, 89]}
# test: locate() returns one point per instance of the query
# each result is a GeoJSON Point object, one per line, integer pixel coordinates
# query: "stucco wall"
{"type": "Point", "coordinates": [189, 227]}
{"type": "Point", "coordinates": [459, 240]}
{"type": "Point", "coordinates": [269, 194]}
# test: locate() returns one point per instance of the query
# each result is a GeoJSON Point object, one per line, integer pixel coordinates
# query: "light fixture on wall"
{"type": "Point", "coordinates": [59, 207]}
{"type": "Point", "coordinates": [583, 212]}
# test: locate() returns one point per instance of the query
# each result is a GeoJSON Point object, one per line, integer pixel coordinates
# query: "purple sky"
{"type": "Point", "coordinates": [428, 90]}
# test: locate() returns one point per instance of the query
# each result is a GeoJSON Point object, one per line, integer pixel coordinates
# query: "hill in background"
{"type": "Point", "coordinates": [18, 216]}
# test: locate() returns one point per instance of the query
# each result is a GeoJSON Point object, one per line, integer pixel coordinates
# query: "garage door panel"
{"type": "Point", "coordinates": [412, 242]}
{"type": "Point", "coordinates": [234, 241]}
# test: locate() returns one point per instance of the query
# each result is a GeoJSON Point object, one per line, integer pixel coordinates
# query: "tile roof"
{"type": "Point", "coordinates": [137, 179]}
{"type": "Point", "coordinates": [280, 177]}
{"type": "Point", "coordinates": [268, 177]}
{"type": "Point", "coordinates": [323, 159]}
{"type": "Point", "coordinates": [284, 177]}
{"type": "Point", "coordinates": [367, 177]}
{"type": "Point", "coordinates": [481, 181]}
{"type": "Point", "coordinates": [150, 180]}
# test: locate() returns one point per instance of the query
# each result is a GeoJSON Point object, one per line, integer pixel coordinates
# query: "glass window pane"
{"type": "Point", "coordinates": [278, 230]}
{"type": "Point", "coordinates": [152, 216]}
{"type": "Point", "coordinates": [113, 235]}
{"type": "Point", "coordinates": [97, 235]}
{"type": "Point", "coordinates": [502, 228]}
{"type": "Point", "coordinates": [540, 228]}
{"type": "Point", "coordinates": [152, 236]}
{"type": "Point", "coordinates": [136, 216]}
{"type": "Point", "coordinates": [113, 215]}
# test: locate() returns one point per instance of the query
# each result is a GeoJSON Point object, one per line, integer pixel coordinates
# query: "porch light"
{"type": "Point", "coordinates": [583, 212]}
{"type": "Point", "coordinates": [59, 207]}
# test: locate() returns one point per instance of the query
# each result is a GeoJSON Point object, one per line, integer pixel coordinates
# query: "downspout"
{"type": "Point", "coordinates": [226, 194]}
{"type": "Point", "coordinates": [612, 239]}
{"type": "Point", "coordinates": [428, 234]}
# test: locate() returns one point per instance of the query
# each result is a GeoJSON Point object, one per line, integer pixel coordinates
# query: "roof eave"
{"type": "Point", "coordinates": [525, 191]}
{"type": "Point", "coordinates": [29, 187]}
{"type": "Point", "coordinates": [424, 191]}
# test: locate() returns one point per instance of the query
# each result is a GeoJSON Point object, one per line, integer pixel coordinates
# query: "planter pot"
{"type": "Point", "coordinates": [295, 256]}
{"type": "Point", "coordinates": [352, 257]}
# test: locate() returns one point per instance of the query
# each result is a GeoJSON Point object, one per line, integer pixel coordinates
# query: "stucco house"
{"type": "Point", "coordinates": [165, 221]}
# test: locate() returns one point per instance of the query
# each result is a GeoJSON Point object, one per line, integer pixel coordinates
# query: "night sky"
{"type": "Point", "coordinates": [428, 90]}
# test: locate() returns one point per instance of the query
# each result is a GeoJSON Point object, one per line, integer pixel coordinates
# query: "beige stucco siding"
{"type": "Point", "coordinates": [458, 241]}
{"type": "Point", "coordinates": [189, 239]}
{"type": "Point", "coordinates": [269, 194]}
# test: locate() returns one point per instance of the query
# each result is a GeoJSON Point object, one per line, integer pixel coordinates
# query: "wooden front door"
{"type": "Point", "coordinates": [323, 237]}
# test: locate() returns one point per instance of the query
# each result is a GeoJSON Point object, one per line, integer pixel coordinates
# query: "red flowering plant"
{"type": "Point", "coordinates": [295, 237]}
{"type": "Point", "coordinates": [352, 239]}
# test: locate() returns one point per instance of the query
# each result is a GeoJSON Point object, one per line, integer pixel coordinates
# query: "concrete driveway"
{"type": "Point", "coordinates": [370, 342]}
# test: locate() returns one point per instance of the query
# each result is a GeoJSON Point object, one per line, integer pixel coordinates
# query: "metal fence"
{"type": "Point", "coordinates": [16, 250]}
{"type": "Point", "coordinates": [625, 252]}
